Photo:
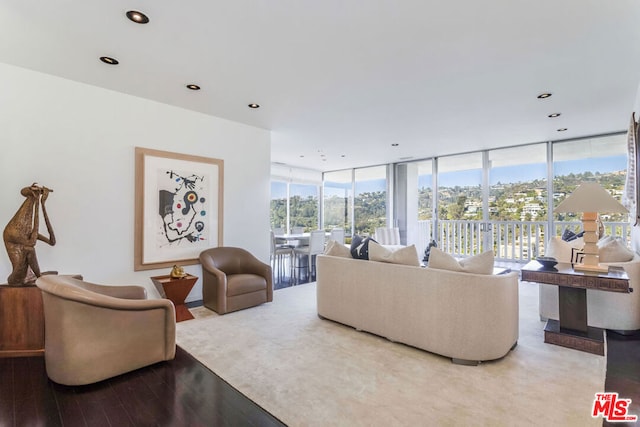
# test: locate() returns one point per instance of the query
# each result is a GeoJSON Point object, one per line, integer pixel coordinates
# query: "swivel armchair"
{"type": "Point", "coordinates": [233, 279]}
{"type": "Point", "coordinates": [94, 332]}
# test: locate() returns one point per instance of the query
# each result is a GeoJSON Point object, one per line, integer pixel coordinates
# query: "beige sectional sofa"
{"type": "Point", "coordinates": [467, 317]}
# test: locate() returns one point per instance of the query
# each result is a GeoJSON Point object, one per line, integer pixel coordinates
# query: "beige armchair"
{"type": "Point", "coordinates": [234, 279]}
{"type": "Point", "coordinates": [94, 332]}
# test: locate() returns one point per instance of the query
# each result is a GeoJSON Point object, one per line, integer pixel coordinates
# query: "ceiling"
{"type": "Point", "coordinates": [340, 81]}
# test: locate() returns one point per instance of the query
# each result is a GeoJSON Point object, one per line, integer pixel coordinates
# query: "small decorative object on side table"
{"type": "Point", "coordinates": [548, 263]}
{"type": "Point", "coordinates": [176, 290]}
{"type": "Point", "coordinates": [571, 329]}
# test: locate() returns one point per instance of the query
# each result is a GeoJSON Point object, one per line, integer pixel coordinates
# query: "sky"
{"type": "Point", "coordinates": [464, 178]}
{"type": "Point", "coordinates": [525, 173]}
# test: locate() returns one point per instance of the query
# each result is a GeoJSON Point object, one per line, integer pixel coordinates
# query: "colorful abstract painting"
{"type": "Point", "coordinates": [178, 207]}
{"type": "Point", "coordinates": [182, 208]}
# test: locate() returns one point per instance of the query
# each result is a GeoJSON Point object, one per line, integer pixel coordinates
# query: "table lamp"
{"type": "Point", "coordinates": [590, 198]}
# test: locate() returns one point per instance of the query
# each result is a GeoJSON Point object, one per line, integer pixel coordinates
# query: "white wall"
{"type": "Point", "coordinates": [79, 140]}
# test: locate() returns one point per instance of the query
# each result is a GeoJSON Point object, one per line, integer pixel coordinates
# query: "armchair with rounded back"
{"type": "Point", "coordinates": [233, 279]}
{"type": "Point", "coordinates": [94, 332]}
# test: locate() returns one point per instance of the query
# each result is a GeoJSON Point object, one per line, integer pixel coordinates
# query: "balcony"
{"type": "Point", "coordinates": [511, 241]}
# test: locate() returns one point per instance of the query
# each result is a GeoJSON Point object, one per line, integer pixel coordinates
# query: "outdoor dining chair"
{"type": "Point", "coordinates": [315, 247]}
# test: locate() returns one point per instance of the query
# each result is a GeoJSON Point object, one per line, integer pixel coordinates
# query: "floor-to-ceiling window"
{"type": "Point", "coordinates": [600, 159]}
{"type": "Point", "coordinates": [414, 202]}
{"type": "Point", "coordinates": [356, 199]}
{"type": "Point", "coordinates": [338, 200]}
{"type": "Point", "coordinates": [295, 198]}
{"type": "Point", "coordinates": [294, 205]}
{"type": "Point", "coordinates": [503, 199]}
{"type": "Point", "coordinates": [303, 206]}
{"type": "Point", "coordinates": [460, 212]}
{"type": "Point", "coordinates": [500, 199]}
{"type": "Point", "coordinates": [370, 200]}
{"type": "Point", "coordinates": [517, 201]}
{"type": "Point", "coordinates": [425, 190]}
{"type": "Point", "coordinates": [279, 204]}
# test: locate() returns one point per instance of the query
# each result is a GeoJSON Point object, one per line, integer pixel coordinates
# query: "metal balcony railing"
{"type": "Point", "coordinates": [511, 241]}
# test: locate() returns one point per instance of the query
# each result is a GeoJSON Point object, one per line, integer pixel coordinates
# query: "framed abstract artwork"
{"type": "Point", "coordinates": [178, 207]}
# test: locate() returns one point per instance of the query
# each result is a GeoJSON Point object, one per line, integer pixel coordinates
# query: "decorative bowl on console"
{"type": "Point", "coordinates": [547, 262]}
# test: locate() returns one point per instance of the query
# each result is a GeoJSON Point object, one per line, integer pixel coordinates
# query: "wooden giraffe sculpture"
{"type": "Point", "coordinates": [22, 232]}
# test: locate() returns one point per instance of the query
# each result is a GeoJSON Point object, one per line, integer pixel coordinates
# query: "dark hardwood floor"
{"type": "Point", "coordinates": [623, 371]}
{"type": "Point", "coordinates": [182, 392]}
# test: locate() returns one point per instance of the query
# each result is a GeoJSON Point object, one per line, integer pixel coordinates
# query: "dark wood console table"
{"type": "Point", "coordinates": [572, 330]}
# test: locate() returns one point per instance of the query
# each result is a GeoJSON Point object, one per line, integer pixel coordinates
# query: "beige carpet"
{"type": "Point", "coordinates": [312, 372]}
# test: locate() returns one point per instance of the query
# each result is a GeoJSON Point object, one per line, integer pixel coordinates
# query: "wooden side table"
{"type": "Point", "coordinates": [177, 290]}
{"type": "Point", "coordinates": [21, 321]}
{"type": "Point", "coordinates": [571, 329]}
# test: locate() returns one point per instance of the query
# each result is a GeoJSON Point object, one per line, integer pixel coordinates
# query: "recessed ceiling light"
{"type": "Point", "coordinates": [554, 115]}
{"type": "Point", "coordinates": [137, 17]}
{"type": "Point", "coordinates": [254, 106]}
{"type": "Point", "coordinates": [395, 144]}
{"type": "Point", "coordinates": [562, 129]}
{"type": "Point", "coordinates": [109, 60]}
{"type": "Point", "coordinates": [344, 155]}
{"type": "Point", "coordinates": [193, 87]}
{"type": "Point", "coordinates": [544, 95]}
{"type": "Point", "coordinates": [301, 155]}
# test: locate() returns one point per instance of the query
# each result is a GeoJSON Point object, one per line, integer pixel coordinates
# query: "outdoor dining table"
{"type": "Point", "coordinates": [298, 239]}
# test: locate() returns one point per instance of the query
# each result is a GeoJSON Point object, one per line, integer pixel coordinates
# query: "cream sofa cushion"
{"type": "Point", "coordinates": [614, 250]}
{"type": "Point", "coordinates": [561, 250]}
{"type": "Point", "coordinates": [407, 255]}
{"type": "Point", "coordinates": [479, 264]}
{"type": "Point", "coordinates": [609, 249]}
{"type": "Point", "coordinates": [335, 248]}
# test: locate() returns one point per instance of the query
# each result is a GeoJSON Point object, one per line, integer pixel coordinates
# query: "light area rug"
{"type": "Point", "coordinates": [312, 372]}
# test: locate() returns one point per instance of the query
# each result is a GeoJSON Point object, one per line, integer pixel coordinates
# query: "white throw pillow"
{"type": "Point", "coordinates": [604, 240]}
{"type": "Point", "coordinates": [561, 250]}
{"type": "Point", "coordinates": [614, 250]}
{"type": "Point", "coordinates": [407, 255]}
{"type": "Point", "coordinates": [479, 264]}
{"type": "Point", "coordinates": [335, 248]}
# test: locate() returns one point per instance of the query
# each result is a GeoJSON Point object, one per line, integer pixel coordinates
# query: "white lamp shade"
{"type": "Point", "coordinates": [590, 197]}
